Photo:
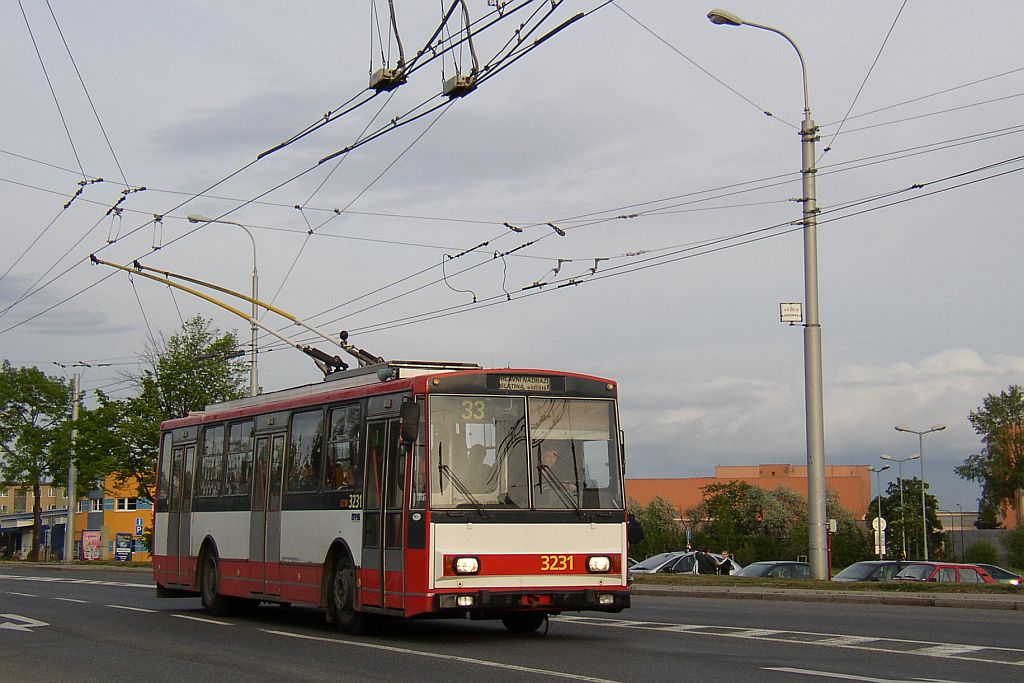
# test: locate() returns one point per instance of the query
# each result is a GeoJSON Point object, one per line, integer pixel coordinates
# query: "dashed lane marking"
{"type": "Point", "coordinates": [962, 651]}
{"type": "Point", "coordinates": [202, 619]}
{"type": "Point", "coordinates": [134, 609]}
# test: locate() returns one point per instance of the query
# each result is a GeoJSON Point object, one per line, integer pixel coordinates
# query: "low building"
{"type": "Point", "coordinates": [851, 483]}
{"type": "Point", "coordinates": [113, 523]}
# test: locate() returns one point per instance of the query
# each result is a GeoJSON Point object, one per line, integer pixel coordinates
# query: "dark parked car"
{"type": "Point", "coordinates": [872, 570]}
{"type": "Point", "coordinates": [776, 570]}
{"type": "Point", "coordinates": [1002, 575]}
{"type": "Point", "coordinates": [944, 572]}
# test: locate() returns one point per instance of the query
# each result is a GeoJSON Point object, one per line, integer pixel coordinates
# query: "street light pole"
{"type": "Point", "coordinates": [920, 451]}
{"type": "Point", "coordinates": [254, 385]}
{"type": "Point", "coordinates": [903, 519]}
{"type": "Point", "coordinates": [963, 549]}
{"type": "Point", "coordinates": [814, 404]}
{"type": "Point", "coordinates": [880, 530]}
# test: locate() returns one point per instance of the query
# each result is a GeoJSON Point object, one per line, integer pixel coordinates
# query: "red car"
{"type": "Point", "coordinates": [944, 572]}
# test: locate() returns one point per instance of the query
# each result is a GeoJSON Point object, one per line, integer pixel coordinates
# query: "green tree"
{"type": "Point", "coordinates": [982, 551]}
{"type": "Point", "coordinates": [908, 518]}
{"type": "Point", "coordinates": [999, 466]}
{"type": "Point", "coordinates": [188, 371]}
{"type": "Point", "coordinates": [34, 435]}
{"type": "Point", "coordinates": [1014, 544]}
{"type": "Point", "coordinates": [758, 524]}
{"type": "Point", "coordinates": [662, 530]}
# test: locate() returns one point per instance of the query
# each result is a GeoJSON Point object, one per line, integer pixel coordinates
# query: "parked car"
{"type": "Point", "coordinates": [944, 572]}
{"type": "Point", "coordinates": [630, 563]}
{"type": "Point", "coordinates": [1002, 575]}
{"type": "Point", "coordinates": [776, 570]}
{"type": "Point", "coordinates": [675, 562]}
{"type": "Point", "coordinates": [872, 570]}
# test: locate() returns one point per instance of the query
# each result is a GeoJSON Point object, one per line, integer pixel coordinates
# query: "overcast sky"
{"type": "Point", "coordinates": [639, 130]}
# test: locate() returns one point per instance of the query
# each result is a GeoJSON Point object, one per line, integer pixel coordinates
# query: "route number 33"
{"type": "Point", "coordinates": [473, 410]}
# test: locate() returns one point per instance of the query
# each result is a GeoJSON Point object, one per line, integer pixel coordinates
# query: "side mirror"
{"type": "Point", "coordinates": [410, 421]}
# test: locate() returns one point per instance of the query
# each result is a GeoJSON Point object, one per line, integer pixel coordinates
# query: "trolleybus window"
{"type": "Point", "coordinates": [344, 469]}
{"type": "Point", "coordinates": [165, 468]}
{"type": "Point", "coordinates": [574, 453]}
{"type": "Point", "coordinates": [211, 464]}
{"type": "Point", "coordinates": [477, 449]}
{"type": "Point", "coordinates": [304, 451]}
{"type": "Point", "coordinates": [238, 472]}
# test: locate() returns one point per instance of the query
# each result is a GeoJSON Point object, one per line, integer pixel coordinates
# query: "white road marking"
{"type": "Point", "coordinates": [438, 655]}
{"type": "Point", "coordinates": [133, 609]}
{"type": "Point", "coordinates": [24, 595]}
{"type": "Point", "coordinates": [961, 651]}
{"type": "Point", "coordinates": [92, 582]}
{"type": "Point", "coordinates": [16, 622]}
{"type": "Point", "coordinates": [852, 677]}
{"type": "Point", "coordinates": [72, 600]}
{"type": "Point", "coordinates": [203, 619]}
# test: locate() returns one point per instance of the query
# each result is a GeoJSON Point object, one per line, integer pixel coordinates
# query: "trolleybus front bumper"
{"type": "Point", "coordinates": [484, 601]}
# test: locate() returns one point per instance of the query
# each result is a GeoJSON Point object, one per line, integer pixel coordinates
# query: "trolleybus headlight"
{"type": "Point", "coordinates": [466, 565]}
{"type": "Point", "coordinates": [451, 601]}
{"type": "Point", "coordinates": [599, 564]}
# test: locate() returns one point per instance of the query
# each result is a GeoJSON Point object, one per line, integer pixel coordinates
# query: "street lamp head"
{"type": "Point", "coordinates": [915, 456]}
{"type": "Point", "coordinates": [938, 428]}
{"type": "Point", "coordinates": [903, 428]}
{"type": "Point", "coordinates": [723, 18]}
{"type": "Point", "coordinates": [887, 457]}
{"type": "Point", "coordinates": [872, 468]}
{"type": "Point", "coordinates": [198, 218]}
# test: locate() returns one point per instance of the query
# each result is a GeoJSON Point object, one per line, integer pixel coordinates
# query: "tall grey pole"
{"type": "Point", "coordinates": [814, 403]}
{"type": "Point", "coordinates": [924, 510]}
{"type": "Point", "coordinates": [69, 525]}
{"type": "Point", "coordinates": [903, 516]}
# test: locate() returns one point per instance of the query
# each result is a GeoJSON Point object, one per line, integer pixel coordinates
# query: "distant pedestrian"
{"type": "Point", "coordinates": [725, 565]}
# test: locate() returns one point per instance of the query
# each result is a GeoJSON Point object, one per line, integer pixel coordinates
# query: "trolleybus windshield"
{"type": "Point", "coordinates": [489, 452]}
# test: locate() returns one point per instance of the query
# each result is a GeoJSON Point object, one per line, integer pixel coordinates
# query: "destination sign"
{"type": "Point", "coordinates": [524, 383]}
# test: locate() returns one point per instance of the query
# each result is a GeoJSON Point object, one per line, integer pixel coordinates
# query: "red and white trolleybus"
{"type": "Point", "coordinates": [401, 489]}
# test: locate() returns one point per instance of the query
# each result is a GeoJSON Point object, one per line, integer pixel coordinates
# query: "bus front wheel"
{"type": "Point", "coordinates": [343, 598]}
{"type": "Point", "coordinates": [523, 622]}
{"type": "Point", "coordinates": [213, 602]}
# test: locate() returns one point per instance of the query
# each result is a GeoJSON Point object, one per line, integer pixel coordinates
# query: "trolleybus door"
{"type": "Point", "coordinates": [179, 508]}
{"type": "Point", "coordinates": [382, 570]}
{"type": "Point", "coordinates": [265, 518]}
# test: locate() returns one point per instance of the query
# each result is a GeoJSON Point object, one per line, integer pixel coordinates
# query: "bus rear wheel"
{"type": "Point", "coordinates": [523, 622]}
{"type": "Point", "coordinates": [343, 599]}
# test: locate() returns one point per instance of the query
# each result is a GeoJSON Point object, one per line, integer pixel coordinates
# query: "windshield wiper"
{"type": "Point", "coordinates": [563, 493]}
{"type": "Point", "coordinates": [457, 483]}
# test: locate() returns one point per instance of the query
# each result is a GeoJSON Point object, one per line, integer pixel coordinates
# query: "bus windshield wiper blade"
{"type": "Point", "coordinates": [563, 493]}
{"type": "Point", "coordinates": [457, 483]}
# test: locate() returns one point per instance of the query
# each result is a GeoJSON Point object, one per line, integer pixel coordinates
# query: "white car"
{"type": "Point", "coordinates": [675, 562]}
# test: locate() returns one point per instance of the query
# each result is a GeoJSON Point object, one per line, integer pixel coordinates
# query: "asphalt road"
{"type": "Point", "coordinates": [81, 625]}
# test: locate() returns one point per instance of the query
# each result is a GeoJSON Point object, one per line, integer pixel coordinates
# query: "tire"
{"type": "Point", "coordinates": [343, 598]}
{"type": "Point", "coordinates": [523, 622]}
{"type": "Point", "coordinates": [209, 582]}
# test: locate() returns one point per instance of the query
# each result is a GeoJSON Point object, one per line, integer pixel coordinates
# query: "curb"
{"type": "Point", "coordinates": [1009, 602]}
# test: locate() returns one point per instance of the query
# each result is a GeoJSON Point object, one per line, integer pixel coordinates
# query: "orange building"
{"type": "Point", "coordinates": [852, 483]}
{"type": "Point", "coordinates": [111, 523]}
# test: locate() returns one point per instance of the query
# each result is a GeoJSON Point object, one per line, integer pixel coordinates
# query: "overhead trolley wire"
{"type": "Point", "coordinates": [853, 102]}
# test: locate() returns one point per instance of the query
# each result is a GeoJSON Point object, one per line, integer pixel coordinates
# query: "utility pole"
{"type": "Point", "coordinates": [69, 525]}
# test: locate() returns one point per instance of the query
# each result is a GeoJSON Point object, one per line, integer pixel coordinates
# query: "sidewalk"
{"type": "Point", "coordinates": [964, 600]}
